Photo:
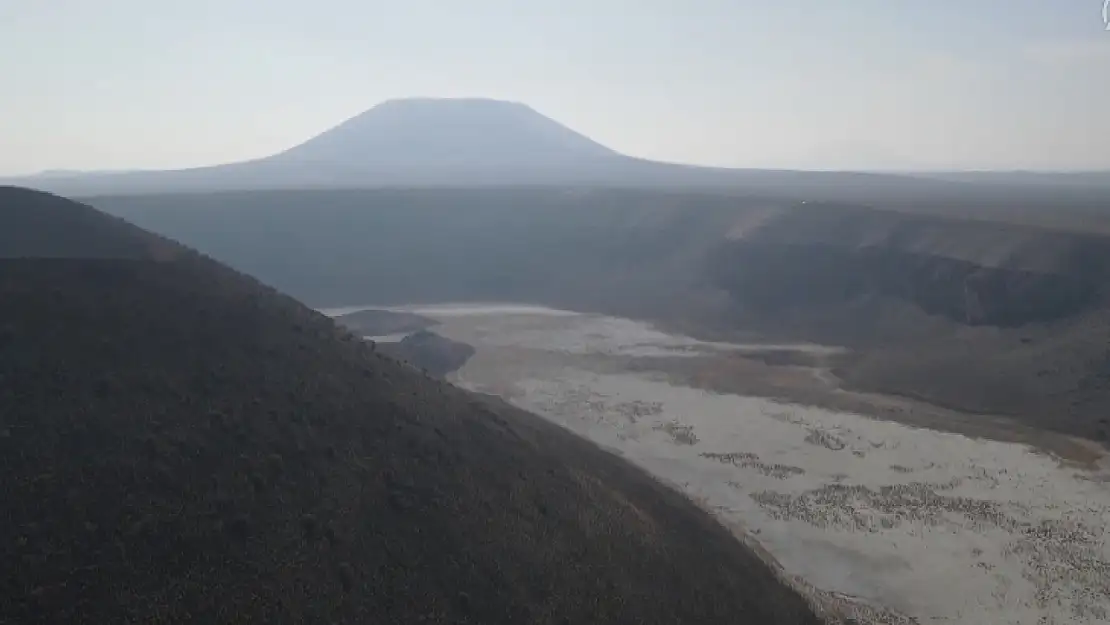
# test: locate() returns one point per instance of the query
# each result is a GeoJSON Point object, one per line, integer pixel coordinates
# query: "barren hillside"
{"type": "Point", "coordinates": [179, 443]}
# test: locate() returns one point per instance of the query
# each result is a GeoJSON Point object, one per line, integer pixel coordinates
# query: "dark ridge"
{"type": "Point", "coordinates": [975, 273]}
{"type": "Point", "coordinates": [773, 278]}
{"type": "Point", "coordinates": [40, 225]}
{"type": "Point", "coordinates": [180, 444]}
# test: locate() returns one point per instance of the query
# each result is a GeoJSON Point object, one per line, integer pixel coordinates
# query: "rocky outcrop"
{"type": "Point", "coordinates": [816, 257]}
{"type": "Point", "coordinates": [372, 322]}
{"type": "Point", "coordinates": [429, 351]}
{"type": "Point", "coordinates": [776, 277]}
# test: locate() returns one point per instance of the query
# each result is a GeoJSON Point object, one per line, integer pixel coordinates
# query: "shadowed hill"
{"type": "Point", "coordinates": [43, 226]}
{"type": "Point", "coordinates": [181, 444]}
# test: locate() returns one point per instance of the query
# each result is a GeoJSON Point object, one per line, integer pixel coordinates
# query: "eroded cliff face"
{"type": "Point", "coordinates": [817, 257]}
{"type": "Point", "coordinates": [978, 316]}
{"type": "Point", "coordinates": [987, 316]}
{"type": "Point", "coordinates": [638, 253]}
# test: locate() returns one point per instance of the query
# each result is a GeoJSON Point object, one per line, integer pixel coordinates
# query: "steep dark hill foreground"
{"type": "Point", "coordinates": [966, 305]}
{"type": "Point", "coordinates": [179, 444]}
{"type": "Point", "coordinates": [39, 225]}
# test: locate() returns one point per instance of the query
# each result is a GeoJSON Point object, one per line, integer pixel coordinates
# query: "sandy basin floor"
{"type": "Point", "coordinates": [936, 527]}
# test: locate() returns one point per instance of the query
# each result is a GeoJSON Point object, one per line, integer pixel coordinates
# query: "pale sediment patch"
{"type": "Point", "coordinates": [876, 520]}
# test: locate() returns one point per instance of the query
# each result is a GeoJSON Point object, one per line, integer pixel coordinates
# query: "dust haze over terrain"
{"type": "Point", "coordinates": [974, 296]}
{"type": "Point", "coordinates": [461, 142]}
{"type": "Point", "coordinates": [752, 395]}
{"type": "Point", "coordinates": [479, 142]}
{"type": "Point", "coordinates": [1006, 85]}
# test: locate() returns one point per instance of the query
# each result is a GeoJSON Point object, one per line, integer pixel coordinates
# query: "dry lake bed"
{"type": "Point", "coordinates": [874, 519]}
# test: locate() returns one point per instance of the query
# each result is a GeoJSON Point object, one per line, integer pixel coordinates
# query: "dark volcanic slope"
{"type": "Point", "coordinates": [39, 225]}
{"type": "Point", "coordinates": [181, 444]}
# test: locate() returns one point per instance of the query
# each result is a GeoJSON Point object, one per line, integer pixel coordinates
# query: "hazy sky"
{"type": "Point", "coordinates": [768, 83]}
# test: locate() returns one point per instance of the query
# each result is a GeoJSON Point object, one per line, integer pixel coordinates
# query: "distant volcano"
{"type": "Point", "coordinates": [448, 133]}
{"type": "Point", "coordinates": [446, 141]}
{"type": "Point", "coordinates": [453, 142]}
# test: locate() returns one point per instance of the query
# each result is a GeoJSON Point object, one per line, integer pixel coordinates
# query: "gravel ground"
{"type": "Point", "coordinates": [882, 522]}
